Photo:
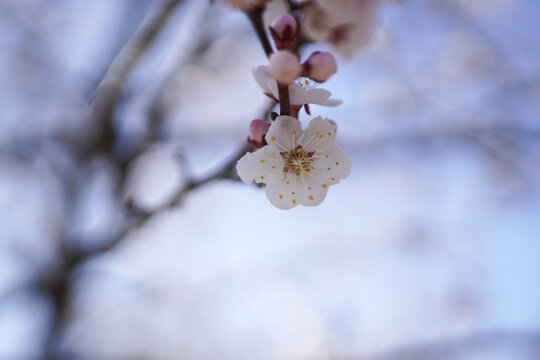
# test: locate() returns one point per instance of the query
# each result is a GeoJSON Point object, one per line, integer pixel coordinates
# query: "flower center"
{"type": "Point", "coordinates": [297, 161]}
{"type": "Point", "coordinates": [306, 83]}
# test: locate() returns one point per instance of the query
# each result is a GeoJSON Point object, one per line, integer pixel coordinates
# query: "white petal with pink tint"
{"type": "Point", "coordinates": [298, 167]}
{"type": "Point", "coordinates": [266, 83]}
{"type": "Point", "coordinates": [346, 24]}
{"type": "Point", "coordinates": [333, 165]}
{"type": "Point", "coordinates": [300, 95]}
{"type": "Point", "coordinates": [320, 66]}
{"type": "Point", "coordinates": [315, 191]}
{"type": "Point", "coordinates": [264, 165]}
{"type": "Point", "coordinates": [284, 66]}
{"type": "Point", "coordinates": [284, 133]}
{"type": "Point", "coordinates": [300, 92]}
{"type": "Point", "coordinates": [287, 193]}
{"type": "Point", "coordinates": [332, 102]}
{"type": "Point", "coordinates": [319, 136]}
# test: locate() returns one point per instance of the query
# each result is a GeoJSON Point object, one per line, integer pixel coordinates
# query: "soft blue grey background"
{"type": "Point", "coordinates": [434, 237]}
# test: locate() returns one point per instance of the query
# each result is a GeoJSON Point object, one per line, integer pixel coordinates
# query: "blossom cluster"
{"type": "Point", "coordinates": [346, 24]}
{"type": "Point", "coordinates": [298, 166]}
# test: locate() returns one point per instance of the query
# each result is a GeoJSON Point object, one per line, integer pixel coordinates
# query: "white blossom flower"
{"type": "Point", "coordinates": [297, 167]}
{"type": "Point", "coordinates": [301, 92]}
{"type": "Point", "coordinates": [346, 24]}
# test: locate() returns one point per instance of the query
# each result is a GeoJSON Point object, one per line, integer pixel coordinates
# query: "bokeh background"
{"type": "Point", "coordinates": [114, 246]}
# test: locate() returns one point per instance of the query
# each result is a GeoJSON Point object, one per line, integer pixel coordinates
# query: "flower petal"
{"type": "Point", "coordinates": [332, 166]}
{"type": "Point", "coordinates": [261, 77]}
{"type": "Point", "coordinates": [297, 94]}
{"type": "Point", "coordinates": [286, 194]}
{"type": "Point", "coordinates": [319, 136]}
{"type": "Point", "coordinates": [264, 165]}
{"type": "Point", "coordinates": [315, 192]}
{"type": "Point", "coordinates": [284, 133]}
{"type": "Point", "coordinates": [317, 96]}
{"type": "Point", "coordinates": [332, 102]}
{"type": "Point", "coordinates": [268, 84]}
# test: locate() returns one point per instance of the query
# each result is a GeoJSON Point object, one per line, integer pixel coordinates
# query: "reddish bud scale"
{"type": "Point", "coordinates": [284, 30]}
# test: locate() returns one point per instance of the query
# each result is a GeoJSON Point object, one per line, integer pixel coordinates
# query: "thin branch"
{"type": "Point", "coordinates": [284, 101]}
{"type": "Point", "coordinates": [255, 17]}
{"type": "Point", "coordinates": [110, 90]}
{"type": "Point", "coordinates": [139, 218]}
{"type": "Point", "coordinates": [58, 285]}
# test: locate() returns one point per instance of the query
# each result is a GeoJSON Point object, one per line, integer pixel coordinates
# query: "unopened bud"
{"type": "Point", "coordinates": [319, 66]}
{"type": "Point", "coordinates": [257, 130]}
{"type": "Point", "coordinates": [283, 30]}
{"type": "Point", "coordinates": [284, 67]}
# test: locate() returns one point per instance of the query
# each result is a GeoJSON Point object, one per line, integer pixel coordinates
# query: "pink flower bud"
{"type": "Point", "coordinates": [319, 66]}
{"type": "Point", "coordinates": [257, 130]}
{"type": "Point", "coordinates": [283, 30]}
{"type": "Point", "coordinates": [284, 67]}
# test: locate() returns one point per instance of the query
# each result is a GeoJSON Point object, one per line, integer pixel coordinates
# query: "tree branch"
{"type": "Point", "coordinates": [110, 90]}
{"type": "Point", "coordinates": [255, 17]}
{"type": "Point", "coordinates": [108, 94]}
{"type": "Point", "coordinates": [139, 218]}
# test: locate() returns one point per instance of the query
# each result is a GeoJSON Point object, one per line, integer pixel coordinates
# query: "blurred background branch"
{"type": "Point", "coordinates": [219, 276]}
{"type": "Point", "coordinates": [110, 90]}
{"type": "Point", "coordinates": [449, 349]}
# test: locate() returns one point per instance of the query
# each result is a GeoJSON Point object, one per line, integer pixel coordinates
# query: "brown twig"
{"type": "Point", "coordinates": [138, 218]}
{"type": "Point", "coordinates": [255, 17]}
{"type": "Point", "coordinates": [284, 101]}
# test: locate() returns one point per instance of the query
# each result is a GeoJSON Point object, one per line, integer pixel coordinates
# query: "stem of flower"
{"type": "Point", "coordinates": [284, 101]}
{"type": "Point", "coordinates": [255, 17]}
{"type": "Point", "coordinates": [295, 110]}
